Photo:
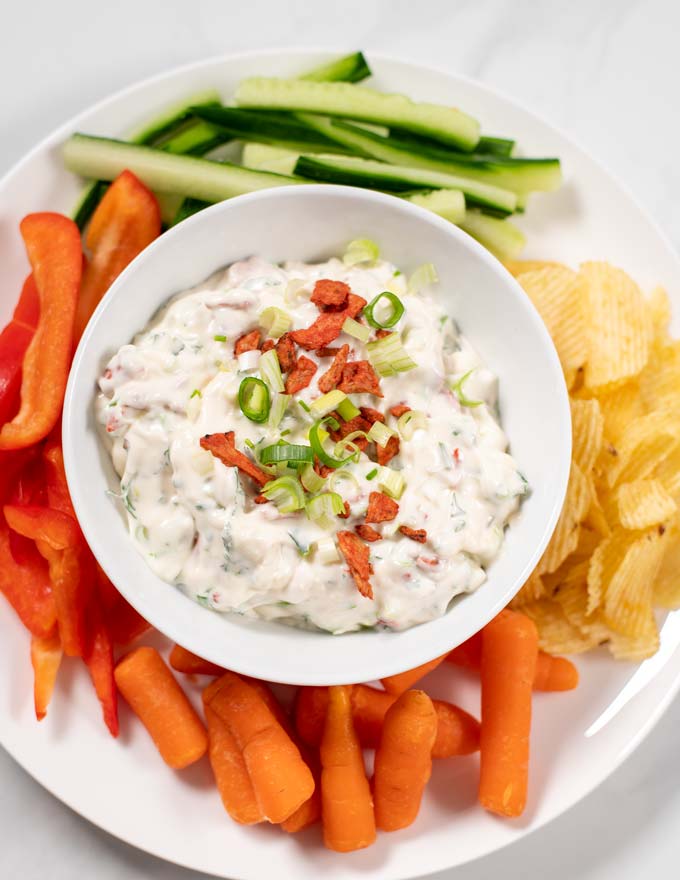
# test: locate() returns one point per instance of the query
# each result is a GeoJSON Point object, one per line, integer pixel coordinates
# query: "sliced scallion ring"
{"type": "Point", "coordinates": [253, 399]}
{"type": "Point", "coordinates": [278, 408]}
{"type": "Point", "coordinates": [357, 330]}
{"type": "Point", "coordinates": [410, 422]}
{"type": "Point", "coordinates": [391, 482]}
{"type": "Point", "coordinates": [463, 399]}
{"type": "Point", "coordinates": [380, 434]}
{"type": "Point", "coordinates": [327, 403]}
{"type": "Point", "coordinates": [361, 250]}
{"type": "Point", "coordinates": [317, 443]}
{"type": "Point", "coordinates": [312, 481]}
{"type": "Point", "coordinates": [275, 321]}
{"type": "Point", "coordinates": [342, 475]}
{"type": "Point", "coordinates": [347, 411]}
{"type": "Point", "coordinates": [270, 370]}
{"type": "Point", "coordinates": [396, 311]}
{"type": "Point", "coordinates": [388, 356]}
{"type": "Point", "coordinates": [323, 508]}
{"type": "Point", "coordinates": [422, 277]}
{"type": "Point", "coordinates": [347, 445]}
{"type": "Point", "coordinates": [288, 452]}
{"type": "Point", "coordinates": [286, 493]}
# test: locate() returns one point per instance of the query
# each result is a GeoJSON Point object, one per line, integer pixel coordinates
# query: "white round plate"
{"type": "Point", "coordinates": [578, 738]}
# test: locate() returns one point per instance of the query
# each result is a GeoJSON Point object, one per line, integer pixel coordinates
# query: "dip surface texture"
{"type": "Point", "coordinates": [196, 521]}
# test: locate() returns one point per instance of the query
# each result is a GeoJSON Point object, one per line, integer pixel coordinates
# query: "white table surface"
{"type": "Point", "coordinates": [605, 71]}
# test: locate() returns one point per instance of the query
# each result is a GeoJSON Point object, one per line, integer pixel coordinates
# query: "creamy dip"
{"type": "Point", "coordinates": [195, 520]}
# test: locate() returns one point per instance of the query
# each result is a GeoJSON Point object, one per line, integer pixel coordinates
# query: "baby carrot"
{"type": "Point", "coordinates": [509, 651]}
{"type": "Point", "coordinates": [162, 706]}
{"type": "Point", "coordinates": [346, 803]}
{"type": "Point", "coordinates": [184, 661]}
{"type": "Point", "coordinates": [46, 654]}
{"type": "Point", "coordinates": [231, 773]}
{"type": "Point", "coordinates": [552, 673]}
{"type": "Point", "coordinates": [281, 780]}
{"type": "Point", "coordinates": [397, 684]}
{"type": "Point", "coordinates": [403, 760]}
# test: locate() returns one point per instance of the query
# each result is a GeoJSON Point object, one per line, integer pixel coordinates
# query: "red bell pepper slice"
{"type": "Point", "coordinates": [59, 540]}
{"type": "Point", "coordinates": [126, 221]}
{"type": "Point", "coordinates": [99, 660]}
{"type": "Point", "coordinates": [27, 311]}
{"type": "Point", "coordinates": [58, 495]}
{"type": "Point", "coordinates": [125, 623]}
{"type": "Point", "coordinates": [14, 340]}
{"type": "Point", "coordinates": [27, 586]}
{"type": "Point", "coordinates": [46, 654]}
{"type": "Point", "coordinates": [54, 251]}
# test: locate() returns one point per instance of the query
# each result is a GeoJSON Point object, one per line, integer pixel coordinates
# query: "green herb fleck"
{"type": "Point", "coordinates": [220, 338]}
{"type": "Point", "coordinates": [195, 393]}
{"type": "Point", "coordinates": [372, 474]}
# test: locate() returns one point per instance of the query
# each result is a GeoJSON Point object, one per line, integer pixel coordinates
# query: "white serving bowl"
{"type": "Point", "coordinates": [313, 223]}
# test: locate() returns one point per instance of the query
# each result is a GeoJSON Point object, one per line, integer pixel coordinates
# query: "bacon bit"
{"type": "Point", "coordinates": [285, 351]}
{"type": "Point", "coordinates": [334, 373]}
{"type": "Point", "coordinates": [381, 334]}
{"type": "Point", "coordinates": [222, 446]}
{"type": "Point", "coordinates": [399, 410]}
{"type": "Point", "coordinates": [357, 556]}
{"type": "Point", "coordinates": [301, 375]}
{"type": "Point", "coordinates": [427, 560]}
{"type": "Point", "coordinates": [381, 508]}
{"type": "Point", "coordinates": [456, 455]}
{"type": "Point", "coordinates": [419, 535]}
{"type": "Point", "coordinates": [347, 512]}
{"type": "Point", "coordinates": [322, 469]}
{"type": "Point", "coordinates": [368, 533]}
{"type": "Point", "coordinates": [358, 423]}
{"type": "Point", "coordinates": [328, 325]}
{"type": "Point", "coordinates": [267, 345]}
{"type": "Point", "coordinates": [371, 415]}
{"type": "Point", "coordinates": [260, 499]}
{"type": "Point", "coordinates": [247, 342]}
{"type": "Point", "coordinates": [359, 377]}
{"type": "Point", "coordinates": [331, 295]}
{"type": "Point", "coordinates": [328, 352]}
{"type": "Point", "coordinates": [386, 453]}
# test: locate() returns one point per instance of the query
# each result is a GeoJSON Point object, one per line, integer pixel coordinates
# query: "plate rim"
{"type": "Point", "coordinates": [378, 57]}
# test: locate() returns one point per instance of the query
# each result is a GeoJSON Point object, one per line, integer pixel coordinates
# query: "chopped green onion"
{"type": "Point", "coordinates": [285, 433]}
{"type": "Point", "coordinates": [339, 476]}
{"type": "Point", "coordinates": [249, 443]}
{"type": "Point", "coordinates": [361, 250]}
{"type": "Point", "coordinates": [286, 493]}
{"type": "Point", "coordinates": [380, 433]}
{"type": "Point", "coordinates": [391, 482]}
{"type": "Point", "coordinates": [220, 338]}
{"type": "Point", "coordinates": [275, 321]}
{"type": "Point", "coordinates": [304, 406]}
{"type": "Point", "coordinates": [195, 393]}
{"type": "Point", "coordinates": [279, 404]}
{"type": "Point", "coordinates": [323, 508]}
{"type": "Point", "coordinates": [389, 356]}
{"type": "Point", "coordinates": [347, 411]}
{"type": "Point", "coordinates": [396, 311]}
{"type": "Point", "coordinates": [457, 389]}
{"type": "Point", "coordinates": [326, 551]}
{"type": "Point", "coordinates": [271, 371]}
{"type": "Point", "coordinates": [357, 330]}
{"type": "Point", "coordinates": [311, 480]}
{"type": "Point", "coordinates": [372, 474]}
{"type": "Point", "coordinates": [289, 452]}
{"type": "Point", "coordinates": [410, 422]}
{"type": "Point", "coordinates": [293, 288]}
{"type": "Point", "coordinates": [327, 403]}
{"type": "Point", "coordinates": [253, 399]}
{"type": "Point", "coordinates": [347, 444]}
{"type": "Point", "coordinates": [317, 443]}
{"type": "Point", "coordinates": [422, 277]}
{"type": "Point", "coordinates": [248, 360]}
{"type": "Point", "coordinates": [302, 549]}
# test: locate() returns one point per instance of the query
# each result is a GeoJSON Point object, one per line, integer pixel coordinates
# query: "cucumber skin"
{"type": "Point", "coordinates": [350, 68]}
{"type": "Point", "coordinates": [501, 237]}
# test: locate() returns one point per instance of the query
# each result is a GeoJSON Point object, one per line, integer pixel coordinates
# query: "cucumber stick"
{"type": "Point", "coordinates": [518, 175]}
{"type": "Point", "coordinates": [357, 102]}
{"type": "Point", "coordinates": [262, 157]}
{"type": "Point", "coordinates": [448, 203]}
{"type": "Point", "coordinates": [350, 68]}
{"type": "Point", "coordinates": [501, 237]}
{"type": "Point", "coordinates": [172, 118]}
{"type": "Point", "coordinates": [103, 158]}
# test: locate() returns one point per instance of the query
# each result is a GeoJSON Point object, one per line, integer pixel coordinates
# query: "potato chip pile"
{"type": "Point", "coordinates": [615, 553]}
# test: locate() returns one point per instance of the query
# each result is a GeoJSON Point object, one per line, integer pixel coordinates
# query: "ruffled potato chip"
{"type": "Point", "coordinates": [531, 590]}
{"type": "Point", "coordinates": [644, 503]}
{"type": "Point", "coordinates": [603, 563]}
{"type": "Point", "coordinates": [519, 267]}
{"type": "Point", "coordinates": [659, 309]}
{"type": "Point", "coordinates": [566, 535]}
{"type": "Point", "coordinates": [666, 593]}
{"type": "Point", "coordinates": [636, 648]}
{"type": "Point", "coordinates": [556, 635]}
{"type": "Point", "coordinates": [587, 429]}
{"type": "Point", "coordinates": [619, 407]}
{"type": "Point", "coordinates": [660, 380]}
{"type": "Point", "coordinates": [628, 596]}
{"type": "Point", "coordinates": [618, 325]}
{"type": "Point", "coordinates": [648, 440]}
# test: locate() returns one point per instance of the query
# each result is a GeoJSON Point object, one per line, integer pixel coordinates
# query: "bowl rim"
{"type": "Point", "coordinates": [174, 630]}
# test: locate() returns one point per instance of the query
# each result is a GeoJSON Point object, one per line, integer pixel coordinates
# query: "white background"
{"type": "Point", "coordinates": [606, 71]}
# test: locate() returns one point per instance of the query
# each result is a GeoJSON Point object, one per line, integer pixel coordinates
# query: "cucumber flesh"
{"type": "Point", "coordinates": [263, 157]}
{"type": "Point", "coordinates": [448, 203]}
{"type": "Point", "coordinates": [195, 139]}
{"type": "Point", "coordinates": [495, 146]}
{"type": "Point", "coordinates": [393, 178]}
{"type": "Point", "coordinates": [350, 68]}
{"type": "Point", "coordinates": [501, 237]}
{"type": "Point", "coordinates": [169, 204]}
{"type": "Point", "coordinates": [275, 129]}
{"type": "Point", "coordinates": [104, 159]}
{"type": "Point", "coordinates": [172, 118]}
{"type": "Point", "coordinates": [357, 102]}
{"type": "Point", "coordinates": [518, 175]}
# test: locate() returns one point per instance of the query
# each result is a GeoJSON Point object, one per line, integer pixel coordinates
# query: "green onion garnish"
{"type": "Point", "coordinates": [279, 404]}
{"type": "Point", "coordinates": [317, 443]}
{"type": "Point", "coordinates": [311, 480]}
{"type": "Point", "coordinates": [380, 433]}
{"type": "Point", "coordinates": [361, 250]}
{"type": "Point", "coordinates": [304, 406]}
{"type": "Point", "coordinates": [422, 277]}
{"type": "Point", "coordinates": [327, 403]}
{"type": "Point", "coordinates": [396, 310]}
{"type": "Point", "coordinates": [337, 477]}
{"type": "Point", "coordinates": [195, 393]}
{"type": "Point", "coordinates": [410, 422]}
{"type": "Point", "coordinates": [357, 330]}
{"type": "Point", "coordinates": [347, 411]}
{"type": "Point", "coordinates": [288, 452]}
{"type": "Point", "coordinates": [271, 371]}
{"type": "Point", "coordinates": [253, 399]}
{"type": "Point", "coordinates": [286, 493]}
{"type": "Point", "coordinates": [249, 443]}
{"type": "Point", "coordinates": [220, 338]}
{"type": "Point", "coordinates": [372, 474]}
{"type": "Point", "coordinates": [323, 508]}
{"type": "Point", "coordinates": [275, 321]}
{"type": "Point", "coordinates": [391, 482]}
{"type": "Point", "coordinates": [389, 356]}
{"type": "Point", "coordinates": [457, 389]}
